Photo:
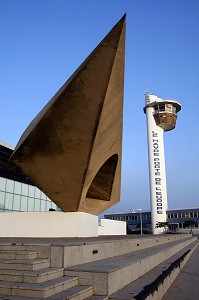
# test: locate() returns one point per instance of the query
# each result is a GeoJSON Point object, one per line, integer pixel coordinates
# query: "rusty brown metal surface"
{"type": "Point", "coordinates": [72, 148]}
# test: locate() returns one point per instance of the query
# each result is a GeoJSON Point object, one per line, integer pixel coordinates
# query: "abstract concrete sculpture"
{"type": "Point", "coordinates": [72, 148]}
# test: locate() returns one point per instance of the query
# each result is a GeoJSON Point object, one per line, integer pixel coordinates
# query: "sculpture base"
{"type": "Point", "coordinates": [48, 224]}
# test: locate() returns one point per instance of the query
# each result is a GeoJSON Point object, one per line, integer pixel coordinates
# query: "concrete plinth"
{"type": "Point", "coordinates": [48, 224]}
{"type": "Point", "coordinates": [112, 227]}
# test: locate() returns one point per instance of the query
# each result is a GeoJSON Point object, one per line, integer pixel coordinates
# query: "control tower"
{"type": "Point", "coordinates": [161, 116]}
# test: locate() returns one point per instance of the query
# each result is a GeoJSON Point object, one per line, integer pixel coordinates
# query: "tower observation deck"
{"type": "Point", "coordinates": [161, 116]}
{"type": "Point", "coordinates": [165, 111]}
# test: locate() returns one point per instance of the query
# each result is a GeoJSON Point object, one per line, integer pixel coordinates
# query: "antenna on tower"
{"type": "Point", "coordinates": [147, 92]}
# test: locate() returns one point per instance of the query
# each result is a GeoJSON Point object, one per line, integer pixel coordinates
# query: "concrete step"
{"type": "Point", "coordinates": [75, 293]}
{"type": "Point", "coordinates": [41, 290]}
{"type": "Point", "coordinates": [110, 275]}
{"type": "Point", "coordinates": [155, 283]}
{"type": "Point", "coordinates": [31, 276]}
{"type": "Point", "coordinates": [79, 292]}
{"type": "Point", "coordinates": [43, 250]}
{"type": "Point", "coordinates": [12, 247]}
{"type": "Point", "coordinates": [95, 297]}
{"type": "Point", "coordinates": [28, 265]}
{"type": "Point", "coordinates": [88, 250]}
{"type": "Point", "coordinates": [10, 254]}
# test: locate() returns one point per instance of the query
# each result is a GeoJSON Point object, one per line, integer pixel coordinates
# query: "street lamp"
{"type": "Point", "coordinates": [140, 210]}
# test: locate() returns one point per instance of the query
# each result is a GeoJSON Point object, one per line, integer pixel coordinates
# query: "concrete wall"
{"type": "Point", "coordinates": [48, 224]}
{"type": "Point", "coordinates": [72, 255]}
{"type": "Point", "coordinates": [111, 227]}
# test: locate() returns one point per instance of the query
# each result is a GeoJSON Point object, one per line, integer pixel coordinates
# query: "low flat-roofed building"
{"type": "Point", "coordinates": [177, 218]}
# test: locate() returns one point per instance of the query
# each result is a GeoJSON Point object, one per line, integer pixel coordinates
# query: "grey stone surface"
{"type": "Point", "coordinates": [103, 276]}
{"type": "Point", "coordinates": [186, 285]}
{"type": "Point", "coordinates": [114, 273]}
{"type": "Point", "coordinates": [30, 276]}
{"type": "Point", "coordinates": [42, 290]}
{"type": "Point", "coordinates": [132, 290]}
{"type": "Point", "coordinates": [10, 254]}
{"type": "Point", "coordinates": [34, 264]}
{"type": "Point", "coordinates": [75, 293]}
{"type": "Point", "coordinates": [57, 256]}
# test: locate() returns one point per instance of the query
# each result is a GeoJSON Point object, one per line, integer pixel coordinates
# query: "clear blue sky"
{"type": "Point", "coordinates": [44, 41]}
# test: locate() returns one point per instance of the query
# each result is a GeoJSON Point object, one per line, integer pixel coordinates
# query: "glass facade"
{"type": "Point", "coordinates": [17, 193]}
{"type": "Point", "coordinates": [18, 196]}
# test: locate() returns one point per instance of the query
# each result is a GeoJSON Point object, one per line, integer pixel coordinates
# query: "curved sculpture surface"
{"type": "Point", "coordinates": [72, 148]}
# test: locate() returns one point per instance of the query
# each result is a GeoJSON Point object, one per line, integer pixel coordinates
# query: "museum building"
{"type": "Point", "coordinates": [17, 192]}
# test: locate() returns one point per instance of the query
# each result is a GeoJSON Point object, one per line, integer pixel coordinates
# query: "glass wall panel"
{"type": "Point", "coordinates": [54, 206]}
{"type": "Point", "coordinates": [22, 197]}
{"type": "Point", "coordinates": [31, 191]}
{"type": "Point", "coordinates": [37, 193]}
{"type": "Point", "coordinates": [9, 186]}
{"type": "Point", "coordinates": [24, 203]}
{"type": "Point", "coordinates": [17, 188]}
{"type": "Point", "coordinates": [16, 202]}
{"type": "Point", "coordinates": [37, 205]}
{"type": "Point", "coordinates": [43, 205]}
{"type": "Point", "coordinates": [48, 205]}
{"type": "Point", "coordinates": [31, 204]}
{"type": "Point", "coordinates": [9, 201]}
{"type": "Point", "coordinates": [24, 189]}
{"type": "Point", "coordinates": [43, 196]}
{"type": "Point", "coordinates": [2, 184]}
{"type": "Point", "coordinates": [2, 199]}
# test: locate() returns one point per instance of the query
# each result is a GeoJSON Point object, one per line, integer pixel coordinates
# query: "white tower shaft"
{"type": "Point", "coordinates": [157, 174]}
{"type": "Point", "coordinates": [161, 116]}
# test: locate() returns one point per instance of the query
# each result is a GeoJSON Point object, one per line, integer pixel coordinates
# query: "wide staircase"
{"type": "Point", "coordinates": [93, 269]}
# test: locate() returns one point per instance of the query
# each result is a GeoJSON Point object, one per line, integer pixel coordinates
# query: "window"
{"type": "Point", "coordinates": [53, 205]}
{"type": "Point", "coordinates": [2, 199]}
{"type": "Point", "coordinates": [162, 107]}
{"type": "Point", "coordinates": [24, 203]}
{"type": "Point", "coordinates": [43, 205]}
{"type": "Point", "coordinates": [9, 186]}
{"type": "Point", "coordinates": [31, 192]}
{"type": "Point", "coordinates": [37, 193]}
{"type": "Point", "coordinates": [168, 107]}
{"type": "Point", "coordinates": [16, 203]}
{"type": "Point", "coordinates": [2, 184]}
{"type": "Point", "coordinates": [9, 201]}
{"type": "Point", "coordinates": [43, 196]}
{"type": "Point", "coordinates": [17, 188]}
{"type": "Point", "coordinates": [31, 204]}
{"type": "Point", "coordinates": [24, 189]}
{"type": "Point", "coordinates": [48, 205]}
{"type": "Point", "coordinates": [37, 205]}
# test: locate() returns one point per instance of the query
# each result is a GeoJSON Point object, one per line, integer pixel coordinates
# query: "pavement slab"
{"type": "Point", "coordinates": [186, 285]}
